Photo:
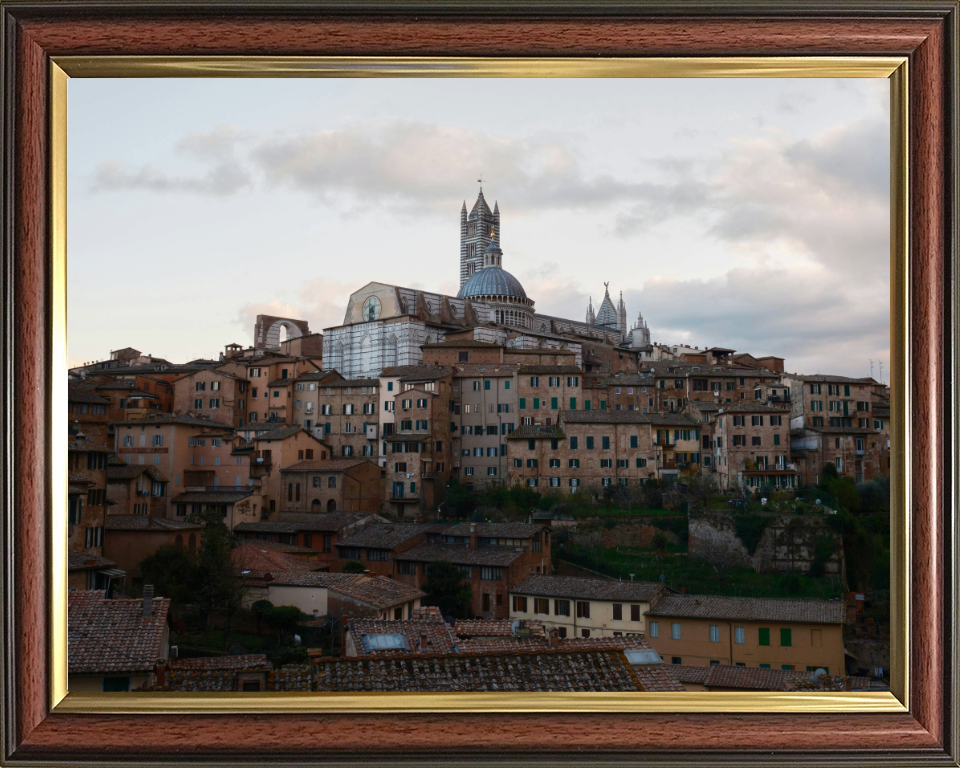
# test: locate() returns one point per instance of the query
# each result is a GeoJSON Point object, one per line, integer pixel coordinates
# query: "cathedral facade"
{"type": "Point", "coordinates": [385, 325]}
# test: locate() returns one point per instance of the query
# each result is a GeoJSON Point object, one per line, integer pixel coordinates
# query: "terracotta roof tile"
{"type": "Point", "coordinates": [383, 535]}
{"type": "Point", "coordinates": [330, 465]}
{"type": "Point", "coordinates": [460, 554]}
{"type": "Point", "coordinates": [251, 556]}
{"type": "Point", "coordinates": [146, 523]}
{"type": "Point", "coordinates": [247, 662]}
{"type": "Point", "coordinates": [111, 636]}
{"type": "Point", "coordinates": [588, 589]}
{"type": "Point", "coordinates": [496, 530]}
{"type": "Point", "coordinates": [548, 369]}
{"type": "Point", "coordinates": [750, 609]}
{"type": "Point", "coordinates": [78, 561]}
{"type": "Point", "coordinates": [169, 418]}
{"type": "Point", "coordinates": [536, 432]}
{"type": "Point", "coordinates": [605, 416]}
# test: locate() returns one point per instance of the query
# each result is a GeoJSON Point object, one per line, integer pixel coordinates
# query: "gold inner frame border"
{"type": "Point", "coordinates": [893, 68]}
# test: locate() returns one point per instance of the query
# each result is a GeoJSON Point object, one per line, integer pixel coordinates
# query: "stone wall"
{"type": "Point", "coordinates": [788, 542]}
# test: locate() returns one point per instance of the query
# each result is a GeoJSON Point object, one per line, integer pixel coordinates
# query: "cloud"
{"type": "Point", "coordinates": [322, 302]}
{"type": "Point", "coordinates": [225, 175]}
{"type": "Point", "coordinates": [816, 325]}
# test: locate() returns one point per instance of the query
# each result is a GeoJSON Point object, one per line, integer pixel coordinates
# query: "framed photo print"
{"type": "Point", "coordinates": [499, 383]}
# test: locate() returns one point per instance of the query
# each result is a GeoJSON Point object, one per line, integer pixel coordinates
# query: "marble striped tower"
{"type": "Point", "coordinates": [477, 231]}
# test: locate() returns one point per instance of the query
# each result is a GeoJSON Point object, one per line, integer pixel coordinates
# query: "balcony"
{"type": "Point", "coordinates": [259, 469]}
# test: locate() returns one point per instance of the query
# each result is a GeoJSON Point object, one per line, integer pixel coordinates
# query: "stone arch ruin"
{"type": "Point", "coordinates": [266, 333]}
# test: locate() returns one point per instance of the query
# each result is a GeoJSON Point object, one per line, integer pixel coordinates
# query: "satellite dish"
{"type": "Point", "coordinates": [821, 672]}
{"type": "Point", "coordinates": [514, 626]}
{"type": "Point", "coordinates": [449, 620]}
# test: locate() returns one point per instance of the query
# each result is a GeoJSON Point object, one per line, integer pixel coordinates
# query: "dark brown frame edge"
{"type": "Point", "coordinates": [926, 32]}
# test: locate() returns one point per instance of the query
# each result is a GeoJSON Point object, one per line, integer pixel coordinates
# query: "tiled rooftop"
{"type": "Point", "coordinates": [251, 556]}
{"type": "Point", "coordinates": [465, 628]}
{"type": "Point", "coordinates": [378, 591]}
{"type": "Point", "coordinates": [750, 609]}
{"type": "Point", "coordinates": [111, 636]}
{"type": "Point", "coordinates": [169, 418]}
{"type": "Point", "coordinates": [754, 406]}
{"type": "Point", "coordinates": [130, 471]}
{"type": "Point", "coordinates": [605, 416]}
{"type": "Point", "coordinates": [247, 662]}
{"type": "Point", "coordinates": [330, 465]}
{"type": "Point", "coordinates": [460, 554]}
{"type": "Point", "coordinates": [536, 432]}
{"type": "Point", "coordinates": [545, 370]}
{"type": "Point", "coordinates": [541, 671]}
{"type": "Point", "coordinates": [588, 589]}
{"type": "Point", "coordinates": [146, 523]}
{"type": "Point", "coordinates": [213, 497]}
{"type": "Point", "coordinates": [78, 561]}
{"type": "Point", "coordinates": [496, 530]}
{"type": "Point", "coordinates": [383, 535]}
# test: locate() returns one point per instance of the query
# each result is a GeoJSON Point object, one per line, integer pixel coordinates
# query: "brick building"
{"type": "Point", "coordinates": [676, 443]}
{"type": "Point", "coordinates": [136, 489]}
{"type": "Point", "coordinates": [346, 485]}
{"type": "Point", "coordinates": [418, 452]}
{"type": "Point", "coordinates": [484, 413]}
{"type": "Point", "coordinates": [544, 390]}
{"type": "Point", "coordinates": [377, 546]}
{"type": "Point", "coordinates": [347, 416]}
{"type": "Point", "coordinates": [89, 413]}
{"type": "Point", "coordinates": [306, 404]}
{"type": "Point", "coordinates": [215, 393]}
{"type": "Point", "coordinates": [86, 494]}
{"type": "Point", "coordinates": [752, 450]}
{"type": "Point", "coordinates": [266, 374]}
{"type": "Point", "coordinates": [586, 449]}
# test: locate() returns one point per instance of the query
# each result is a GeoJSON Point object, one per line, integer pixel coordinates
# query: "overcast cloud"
{"type": "Point", "coordinates": [746, 214]}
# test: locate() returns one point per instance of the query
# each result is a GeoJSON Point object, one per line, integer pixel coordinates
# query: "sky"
{"type": "Point", "coordinates": [745, 213]}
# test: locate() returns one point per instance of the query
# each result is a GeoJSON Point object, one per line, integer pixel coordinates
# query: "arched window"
{"type": "Point", "coordinates": [193, 543]}
{"type": "Point", "coordinates": [316, 482]}
{"type": "Point", "coordinates": [332, 505]}
{"type": "Point", "coordinates": [298, 491]}
{"type": "Point", "coordinates": [315, 503]}
{"type": "Point", "coordinates": [179, 540]}
{"type": "Point", "coordinates": [290, 492]}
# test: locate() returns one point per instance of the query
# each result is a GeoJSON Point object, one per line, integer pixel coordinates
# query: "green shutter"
{"type": "Point", "coordinates": [764, 637]}
{"type": "Point", "coordinates": [536, 403]}
{"type": "Point", "coordinates": [506, 384]}
{"type": "Point", "coordinates": [523, 403]}
{"type": "Point", "coordinates": [764, 666]}
{"type": "Point", "coordinates": [603, 405]}
{"type": "Point", "coordinates": [573, 403]}
{"type": "Point", "coordinates": [413, 487]}
{"type": "Point", "coordinates": [786, 638]}
{"type": "Point", "coordinates": [586, 405]}
{"type": "Point", "coordinates": [553, 404]}
{"type": "Point", "coordinates": [776, 439]}
{"type": "Point", "coordinates": [486, 383]}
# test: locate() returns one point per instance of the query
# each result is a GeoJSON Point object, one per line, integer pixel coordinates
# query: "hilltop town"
{"type": "Point", "coordinates": [440, 483]}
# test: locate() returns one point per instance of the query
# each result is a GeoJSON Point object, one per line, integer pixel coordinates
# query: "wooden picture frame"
{"type": "Point", "coordinates": [35, 35]}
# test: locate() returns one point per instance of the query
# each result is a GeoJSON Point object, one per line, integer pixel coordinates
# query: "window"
{"type": "Point", "coordinates": [755, 440]}
{"type": "Point", "coordinates": [531, 463]}
{"type": "Point", "coordinates": [617, 612]}
{"type": "Point", "coordinates": [541, 605]}
{"type": "Point", "coordinates": [676, 660]}
{"type": "Point", "coordinates": [764, 636]}
{"type": "Point", "coordinates": [536, 403]}
{"type": "Point", "coordinates": [534, 381]}
{"type": "Point", "coordinates": [714, 633]}
{"type": "Point", "coordinates": [378, 555]}
{"type": "Point", "coordinates": [519, 604]}
{"type": "Point", "coordinates": [583, 611]}
{"type": "Point", "coordinates": [589, 443]}
{"type": "Point", "coordinates": [561, 607]}
{"type": "Point", "coordinates": [786, 637]}
{"type": "Point", "coordinates": [739, 635]}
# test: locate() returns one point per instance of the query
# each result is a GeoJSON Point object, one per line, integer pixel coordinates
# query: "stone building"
{"type": "Point", "coordinates": [138, 489]}
{"type": "Point", "coordinates": [676, 443]}
{"type": "Point", "coordinates": [753, 448]}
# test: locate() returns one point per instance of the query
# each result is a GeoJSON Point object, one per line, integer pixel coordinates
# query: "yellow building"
{"type": "Point", "coordinates": [786, 634]}
{"type": "Point", "coordinates": [584, 607]}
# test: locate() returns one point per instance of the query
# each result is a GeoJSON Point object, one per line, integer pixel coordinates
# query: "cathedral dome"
{"type": "Point", "coordinates": [492, 281]}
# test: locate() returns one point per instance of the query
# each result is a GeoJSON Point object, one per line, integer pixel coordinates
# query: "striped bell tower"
{"type": "Point", "coordinates": [477, 231]}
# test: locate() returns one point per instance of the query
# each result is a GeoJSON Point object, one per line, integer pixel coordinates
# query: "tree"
{"type": "Point", "coordinates": [219, 586]}
{"type": "Point", "coordinates": [352, 566]}
{"type": "Point", "coordinates": [660, 544]}
{"type": "Point", "coordinates": [701, 487]}
{"type": "Point", "coordinates": [172, 571]}
{"type": "Point", "coordinates": [447, 590]}
{"type": "Point", "coordinates": [461, 501]}
{"type": "Point", "coordinates": [259, 608]}
{"type": "Point", "coordinates": [282, 618]}
{"type": "Point", "coordinates": [724, 556]}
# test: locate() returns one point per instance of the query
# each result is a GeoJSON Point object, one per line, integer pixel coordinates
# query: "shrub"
{"type": "Point", "coordinates": [791, 584]}
{"type": "Point", "coordinates": [676, 525]}
{"type": "Point", "coordinates": [750, 529]}
{"type": "Point", "coordinates": [352, 566]}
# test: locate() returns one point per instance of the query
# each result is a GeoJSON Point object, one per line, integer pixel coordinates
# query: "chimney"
{"type": "Point", "coordinates": [423, 639]}
{"type": "Point", "coordinates": [554, 638]}
{"type": "Point", "coordinates": [147, 601]}
{"type": "Point", "coordinates": [174, 652]}
{"type": "Point", "coordinates": [848, 683]}
{"type": "Point", "coordinates": [473, 535]}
